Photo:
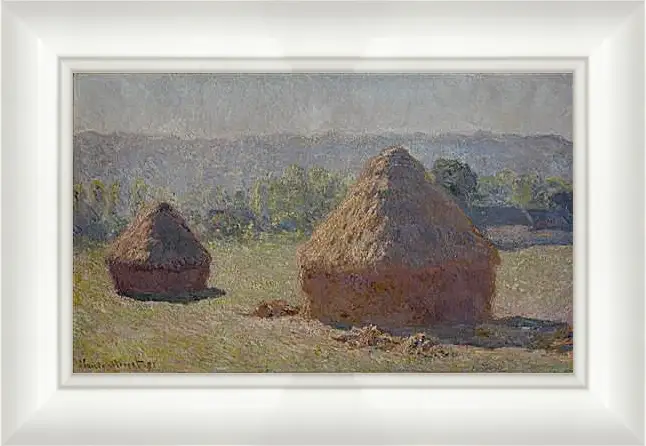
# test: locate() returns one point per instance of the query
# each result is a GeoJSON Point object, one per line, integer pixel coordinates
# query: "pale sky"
{"type": "Point", "coordinates": [227, 105]}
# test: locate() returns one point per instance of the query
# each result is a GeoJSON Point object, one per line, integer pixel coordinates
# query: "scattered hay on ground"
{"type": "Point", "coordinates": [422, 344]}
{"type": "Point", "coordinates": [368, 336]}
{"type": "Point", "coordinates": [276, 308]}
{"type": "Point", "coordinates": [561, 341]}
{"type": "Point", "coordinates": [419, 344]}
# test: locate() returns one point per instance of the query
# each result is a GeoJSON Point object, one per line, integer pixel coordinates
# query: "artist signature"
{"type": "Point", "coordinates": [137, 364]}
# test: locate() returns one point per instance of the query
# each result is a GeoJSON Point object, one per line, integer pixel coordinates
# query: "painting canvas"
{"type": "Point", "coordinates": [313, 222]}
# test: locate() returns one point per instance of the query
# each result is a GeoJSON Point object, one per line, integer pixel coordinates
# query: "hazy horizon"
{"type": "Point", "coordinates": [230, 106]}
{"type": "Point", "coordinates": [314, 134]}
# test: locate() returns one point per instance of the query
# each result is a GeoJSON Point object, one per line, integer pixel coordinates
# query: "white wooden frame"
{"type": "Point", "coordinates": [601, 42]}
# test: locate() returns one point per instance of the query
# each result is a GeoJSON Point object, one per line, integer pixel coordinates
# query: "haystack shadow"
{"type": "Point", "coordinates": [177, 298]}
{"type": "Point", "coordinates": [508, 332]}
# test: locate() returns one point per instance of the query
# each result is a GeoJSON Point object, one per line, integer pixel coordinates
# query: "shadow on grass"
{"type": "Point", "coordinates": [516, 238]}
{"type": "Point", "coordinates": [182, 298]}
{"type": "Point", "coordinates": [519, 246]}
{"type": "Point", "coordinates": [517, 331]}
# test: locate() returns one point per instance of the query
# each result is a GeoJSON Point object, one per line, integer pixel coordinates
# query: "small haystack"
{"type": "Point", "coordinates": [158, 253]}
{"type": "Point", "coordinates": [397, 252]}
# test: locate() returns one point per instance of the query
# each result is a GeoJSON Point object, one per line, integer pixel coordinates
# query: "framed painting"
{"type": "Point", "coordinates": [211, 210]}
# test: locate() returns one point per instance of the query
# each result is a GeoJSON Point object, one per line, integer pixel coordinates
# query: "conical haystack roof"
{"type": "Point", "coordinates": [159, 237]}
{"type": "Point", "coordinates": [394, 216]}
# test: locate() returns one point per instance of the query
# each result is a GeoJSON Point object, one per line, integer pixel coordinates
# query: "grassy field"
{"type": "Point", "coordinates": [114, 333]}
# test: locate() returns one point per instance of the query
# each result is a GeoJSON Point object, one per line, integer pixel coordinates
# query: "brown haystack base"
{"type": "Point", "coordinates": [129, 280]}
{"type": "Point", "coordinates": [397, 252]}
{"type": "Point", "coordinates": [276, 308]}
{"type": "Point", "coordinates": [402, 297]}
{"type": "Point", "coordinates": [158, 253]}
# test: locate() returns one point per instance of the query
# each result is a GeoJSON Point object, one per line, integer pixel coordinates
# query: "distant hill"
{"type": "Point", "coordinates": [180, 164]}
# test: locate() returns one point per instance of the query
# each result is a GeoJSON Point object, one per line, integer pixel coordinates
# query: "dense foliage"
{"type": "Point", "coordinates": [457, 178]}
{"type": "Point", "coordinates": [293, 202]}
{"type": "Point", "coordinates": [527, 191]}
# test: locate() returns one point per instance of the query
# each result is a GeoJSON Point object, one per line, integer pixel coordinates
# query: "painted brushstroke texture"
{"type": "Point", "coordinates": [323, 223]}
{"type": "Point", "coordinates": [229, 105]}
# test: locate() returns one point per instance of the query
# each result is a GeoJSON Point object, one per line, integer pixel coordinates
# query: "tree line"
{"type": "Point", "coordinates": [505, 188]}
{"type": "Point", "coordinates": [295, 201]}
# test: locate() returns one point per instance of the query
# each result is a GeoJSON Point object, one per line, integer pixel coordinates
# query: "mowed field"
{"type": "Point", "coordinates": [119, 334]}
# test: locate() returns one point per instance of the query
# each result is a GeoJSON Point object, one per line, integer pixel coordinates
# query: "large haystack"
{"type": "Point", "coordinates": [397, 252]}
{"type": "Point", "coordinates": [158, 253]}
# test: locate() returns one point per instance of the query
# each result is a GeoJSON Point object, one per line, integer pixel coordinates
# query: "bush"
{"type": "Point", "coordinates": [457, 178]}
